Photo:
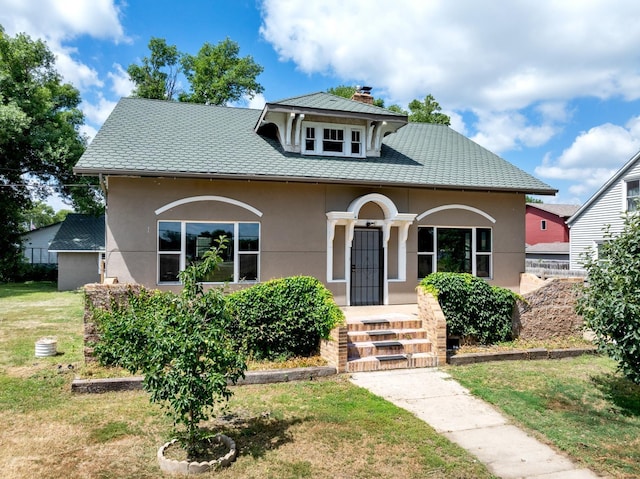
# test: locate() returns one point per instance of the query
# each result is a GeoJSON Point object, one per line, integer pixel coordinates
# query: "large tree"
{"type": "Point", "coordinates": [39, 140]}
{"type": "Point", "coordinates": [216, 74]}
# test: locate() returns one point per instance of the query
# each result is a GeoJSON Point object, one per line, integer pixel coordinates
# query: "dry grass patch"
{"type": "Point", "coordinates": [310, 429]}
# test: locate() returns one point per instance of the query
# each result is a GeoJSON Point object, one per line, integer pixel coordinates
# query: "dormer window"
{"type": "Point", "coordinates": [337, 140]}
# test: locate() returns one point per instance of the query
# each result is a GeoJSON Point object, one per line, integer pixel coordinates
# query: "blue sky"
{"type": "Point", "coordinates": [553, 87]}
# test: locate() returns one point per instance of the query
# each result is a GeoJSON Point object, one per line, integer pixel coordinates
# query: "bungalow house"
{"type": "Point", "coordinates": [79, 245]}
{"type": "Point", "coordinates": [619, 195]}
{"type": "Point", "coordinates": [318, 185]}
{"type": "Point", "coordinates": [547, 233]}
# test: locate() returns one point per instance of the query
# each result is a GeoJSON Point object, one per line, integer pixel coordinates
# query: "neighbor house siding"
{"type": "Point", "coordinates": [556, 230]}
{"type": "Point", "coordinates": [293, 238]}
{"type": "Point", "coordinates": [606, 210]}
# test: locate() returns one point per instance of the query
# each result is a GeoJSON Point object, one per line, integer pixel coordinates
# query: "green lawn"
{"type": "Point", "coordinates": [308, 429]}
{"type": "Point", "coordinates": [582, 406]}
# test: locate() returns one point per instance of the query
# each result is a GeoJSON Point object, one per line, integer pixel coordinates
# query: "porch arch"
{"type": "Point", "coordinates": [351, 218]}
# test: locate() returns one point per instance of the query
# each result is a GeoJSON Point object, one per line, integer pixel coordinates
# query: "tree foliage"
{"type": "Point", "coordinates": [157, 77]}
{"type": "Point", "coordinates": [610, 302]}
{"type": "Point", "coordinates": [181, 343]}
{"type": "Point", "coordinates": [39, 139]}
{"type": "Point", "coordinates": [216, 74]}
{"type": "Point", "coordinates": [427, 111]}
{"type": "Point", "coordinates": [41, 214]}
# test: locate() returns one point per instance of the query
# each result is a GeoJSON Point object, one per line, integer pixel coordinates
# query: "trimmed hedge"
{"type": "Point", "coordinates": [473, 308]}
{"type": "Point", "coordinates": [283, 318]}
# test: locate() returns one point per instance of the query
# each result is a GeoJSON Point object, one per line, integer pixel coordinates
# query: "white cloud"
{"type": "Point", "coordinates": [59, 22]}
{"type": "Point", "coordinates": [121, 84]}
{"type": "Point", "coordinates": [257, 102]}
{"type": "Point", "coordinates": [497, 58]}
{"type": "Point", "coordinates": [88, 132]}
{"type": "Point", "coordinates": [503, 131]}
{"type": "Point", "coordinates": [593, 157]}
{"type": "Point", "coordinates": [97, 113]}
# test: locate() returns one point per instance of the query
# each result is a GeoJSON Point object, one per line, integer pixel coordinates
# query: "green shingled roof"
{"type": "Point", "coordinates": [79, 233]}
{"type": "Point", "coordinates": [157, 138]}
{"type": "Point", "coordinates": [327, 101]}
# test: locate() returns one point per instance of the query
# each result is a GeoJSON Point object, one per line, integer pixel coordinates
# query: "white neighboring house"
{"type": "Point", "coordinates": [607, 206]}
{"type": "Point", "coordinates": [36, 244]}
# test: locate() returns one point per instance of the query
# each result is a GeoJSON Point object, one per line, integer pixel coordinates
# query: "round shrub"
{"type": "Point", "coordinates": [472, 307]}
{"type": "Point", "coordinates": [283, 317]}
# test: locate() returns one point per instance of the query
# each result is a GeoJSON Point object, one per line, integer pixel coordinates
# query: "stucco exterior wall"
{"type": "Point", "coordinates": [293, 238]}
{"type": "Point", "coordinates": [77, 269]}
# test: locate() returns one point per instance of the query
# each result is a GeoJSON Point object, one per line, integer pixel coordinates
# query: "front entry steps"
{"type": "Point", "coordinates": [387, 341]}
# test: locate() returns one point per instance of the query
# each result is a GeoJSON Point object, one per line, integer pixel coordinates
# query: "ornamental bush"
{"type": "Point", "coordinates": [610, 302]}
{"type": "Point", "coordinates": [283, 318]}
{"type": "Point", "coordinates": [180, 343]}
{"type": "Point", "coordinates": [472, 307]}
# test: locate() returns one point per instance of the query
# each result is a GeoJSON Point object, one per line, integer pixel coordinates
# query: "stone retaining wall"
{"type": "Point", "coordinates": [549, 310]}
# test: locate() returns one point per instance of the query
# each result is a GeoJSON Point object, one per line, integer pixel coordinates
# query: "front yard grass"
{"type": "Point", "coordinates": [581, 405]}
{"type": "Point", "coordinates": [308, 429]}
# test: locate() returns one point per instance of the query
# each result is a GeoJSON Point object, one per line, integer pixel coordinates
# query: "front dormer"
{"type": "Point", "coordinates": [322, 124]}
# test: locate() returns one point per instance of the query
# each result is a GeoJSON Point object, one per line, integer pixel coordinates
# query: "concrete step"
{"type": "Point", "coordinates": [386, 334]}
{"type": "Point", "coordinates": [397, 321]}
{"type": "Point", "coordinates": [395, 361]}
{"type": "Point", "coordinates": [363, 349]}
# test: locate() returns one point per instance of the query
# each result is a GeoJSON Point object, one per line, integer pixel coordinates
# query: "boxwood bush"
{"type": "Point", "coordinates": [282, 318]}
{"type": "Point", "coordinates": [474, 310]}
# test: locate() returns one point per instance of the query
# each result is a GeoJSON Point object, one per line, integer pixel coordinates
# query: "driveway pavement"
{"type": "Point", "coordinates": [507, 451]}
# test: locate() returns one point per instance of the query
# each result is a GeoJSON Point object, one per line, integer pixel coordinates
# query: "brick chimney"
{"type": "Point", "coordinates": [363, 94]}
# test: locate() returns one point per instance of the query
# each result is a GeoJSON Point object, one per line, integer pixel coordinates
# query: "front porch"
{"type": "Point", "coordinates": [385, 337]}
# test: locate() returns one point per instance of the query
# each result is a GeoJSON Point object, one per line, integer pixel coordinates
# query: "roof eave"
{"type": "Point", "coordinates": [312, 179]}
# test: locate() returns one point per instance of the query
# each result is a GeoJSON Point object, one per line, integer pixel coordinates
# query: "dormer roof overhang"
{"type": "Point", "coordinates": [318, 104]}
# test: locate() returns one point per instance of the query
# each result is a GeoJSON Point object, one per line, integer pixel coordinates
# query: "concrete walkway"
{"type": "Point", "coordinates": [433, 396]}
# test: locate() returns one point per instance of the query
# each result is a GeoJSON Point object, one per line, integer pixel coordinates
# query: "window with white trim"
{"type": "Point", "coordinates": [181, 243]}
{"type": "Point", "coordinates": [331, 139]}
{"type": "Point", "coordinates": [454, 250]}
{"type": "Point", "coordinates": [633, 195]}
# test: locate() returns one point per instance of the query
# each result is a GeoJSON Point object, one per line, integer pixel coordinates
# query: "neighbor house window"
{"type": "Point", "coordinates": [454, 250]}
{"type": "Point", "coordinates": [333, 140]}
{"type": "Point", "coordinates": [181, 243]}
{"type": "Point", "coordinates": [543, 225]}
{"type": "Point", "coordinates": [633, 195]}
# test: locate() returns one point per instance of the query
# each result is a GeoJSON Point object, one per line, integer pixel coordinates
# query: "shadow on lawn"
{"type": "Point", "coordinates": [621, 391]}
{"type": "Point", "coordinates": [255, 436]}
